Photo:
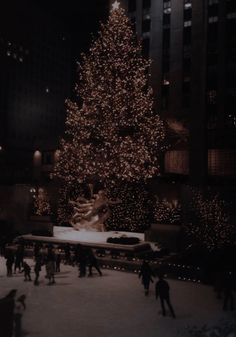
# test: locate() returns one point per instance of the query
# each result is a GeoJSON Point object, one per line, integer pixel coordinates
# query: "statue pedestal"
{"type": "Point", "coordinates": [166, 235]}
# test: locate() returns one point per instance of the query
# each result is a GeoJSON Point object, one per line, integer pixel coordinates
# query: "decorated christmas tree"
{"type": "Point", "coordinates": [113, 137]}
{"type": "Point", "coordinates": [41, 202]}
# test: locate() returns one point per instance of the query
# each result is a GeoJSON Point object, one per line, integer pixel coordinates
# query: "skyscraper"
{"type": "Point", "coordinates": [192, 47]}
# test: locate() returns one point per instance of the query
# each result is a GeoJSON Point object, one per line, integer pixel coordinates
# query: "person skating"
{"type": "Point", "coordinates": [37, 269]}
{"type": "Point", "coordinates": [58, 262]}
{"type": "Point", "coordinates": [50, 267]}
{"type": "Point", "coordinates": [162, 291]}
{"type": "Point", "coordinates": [93, 262]}
{"type": "Point", "coordinates": [26, 270]}
{"type": "Point", "coordinates": [9, 263]}
{"type": "Point", "coordinates": [146, 274]}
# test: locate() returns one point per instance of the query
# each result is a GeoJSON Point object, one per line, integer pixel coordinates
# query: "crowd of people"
{"type": "Point", "coordinates": [51, 258]}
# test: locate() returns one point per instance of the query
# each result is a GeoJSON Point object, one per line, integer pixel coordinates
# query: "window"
{"type": "Point", "coordinates": [187, 14]}
{"type": "Point", "coordinates": [133, 23]}
{"type": "Point", "coordinates": [213, 19]}
{"type": "Point", "coordinates": [212, 2]}
{"type": "Point", "coordinates": [132, 6]}
{"type": "Point", "coordinates": [166, 19]}
{"type": "Point", "coordinates": [231, 16]}
{"type": "Point", "coordinates": [166, 38]}
{"type": "Point", "coordinates": [146, 25]}
{"type": "Point", "coordinates": [146, 4]}
{"type": "Point", "coordinates": [187, 35]}
{"type": "Point", "coordinates": [211, 97]}
{"type": "Point", "coordinates": [146, 46]}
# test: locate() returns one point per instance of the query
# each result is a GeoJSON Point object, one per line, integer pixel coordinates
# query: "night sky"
{"type": "Point", "coordinates": [80, 19]}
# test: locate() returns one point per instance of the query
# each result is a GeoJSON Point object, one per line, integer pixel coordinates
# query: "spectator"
{"type": "Point", "coordinates": [18, 312]}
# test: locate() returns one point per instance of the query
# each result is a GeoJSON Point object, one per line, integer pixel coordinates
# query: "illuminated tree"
{"type": "Point", "coordinates": [209, 224]}
{"type": "Point", "coordinates": [112, 134]}
{"type": "Point", "coordinates": [41, 202]}
{"type": "Point", "coordinates": [167, 211]}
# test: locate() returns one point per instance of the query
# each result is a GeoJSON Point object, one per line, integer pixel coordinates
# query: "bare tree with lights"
{"type": "Point", "coordinates": [113, 136]}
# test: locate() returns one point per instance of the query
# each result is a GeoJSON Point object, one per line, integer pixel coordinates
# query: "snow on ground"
{"type": "Point", "coordinates": [113, 305]}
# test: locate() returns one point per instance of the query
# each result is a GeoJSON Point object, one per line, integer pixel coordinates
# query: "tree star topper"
{"type": "Point", "coordinates": [115, 5]}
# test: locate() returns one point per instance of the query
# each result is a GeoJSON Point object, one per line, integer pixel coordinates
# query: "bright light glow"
{"type": "Point", "coordinates": [115, 5]}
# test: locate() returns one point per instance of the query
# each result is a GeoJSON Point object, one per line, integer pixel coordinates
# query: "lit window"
{"type": "Point", "coordinates": [188, 23]}
{"type": "Point", "coordinates": [231, 16]}
{"type": "Point", "coordinates": [167, 10]}
{"type": "Point", "coordinates": [211, 97]}
{"type": "Point", "coordinates": [146, 35]}
{"type": "Point", "coordinates": [167, 4]}
{"type": "Point", "coordinates": [47, 90]}
{"type": "Point", "coordinates": [213, 19]}
{"type": "Point", "coordinates": [187, 6]}
{"type": "Point", "coordinates": [146, 16]}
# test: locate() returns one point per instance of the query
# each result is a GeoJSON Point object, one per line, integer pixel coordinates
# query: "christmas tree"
{"type": "Point", "coordinates": [41, 202]}
{"type": "Point", "coordinates": [113, 136]}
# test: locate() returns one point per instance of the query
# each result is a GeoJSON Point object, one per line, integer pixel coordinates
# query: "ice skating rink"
{"type": "Point", "coordinates": [113, 305]}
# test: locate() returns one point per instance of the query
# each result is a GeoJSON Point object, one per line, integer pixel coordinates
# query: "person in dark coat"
{"type": "Point", "coordinates": [26, 270]}
{"type": "Point", "coordinates": [92, 262]}
{"type": "Point", "coordinates": [228, 288]}
{"type": "Point", "coordinates": [9, 263]}
{"type": "Point", "coordinates": [81, 260]}
{"type": "Point", "coordinates": [162, 291]}
{"type": "Point", "coordinates": [146, 274]}
{"type": "Point", "coordinates": [50, 267]}
{"type": "Point", "coordinates": [37, 269]}
{"type": "Point", "coordinates": [58, 262]}
{"type": "Point", "coordinates": [67, 254]}
{"type": "Point", "coordinates": [18, 259]}
{"type": "Point", "coordinates": [7, 305]}
{"type": "Point", "coordinates": [18, 313]}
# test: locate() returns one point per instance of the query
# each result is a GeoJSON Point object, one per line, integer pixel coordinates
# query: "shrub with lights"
{"type": "Point", "coordinates": [113, 137]}
{"type": "Point", "coordinates": [166, 211]}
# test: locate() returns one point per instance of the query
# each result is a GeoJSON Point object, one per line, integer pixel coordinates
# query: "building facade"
{"type": "Point", "coordinates": [35, 80]}
{"type": "Point", "coordinates": [192, 46]}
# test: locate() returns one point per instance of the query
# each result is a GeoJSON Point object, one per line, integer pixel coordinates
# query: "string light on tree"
{"type": "Point", "coordinates": [113, 135]}
{"type": "Point", "coordinates": [210, 221]}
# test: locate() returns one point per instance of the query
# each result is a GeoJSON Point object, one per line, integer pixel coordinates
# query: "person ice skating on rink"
{"type": "Point", "coordinates": [146, 274]}
{"type": "Point", "coordinates": [92, 262]}
{"type": "Point", "coordinates": [9, 263]}
{"type": "Point", "coordinates": [37, 269]}
{"type": "Point", "coordinates": [26, 270]}
{"type": "Point", "coordinates": [162, 291]}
